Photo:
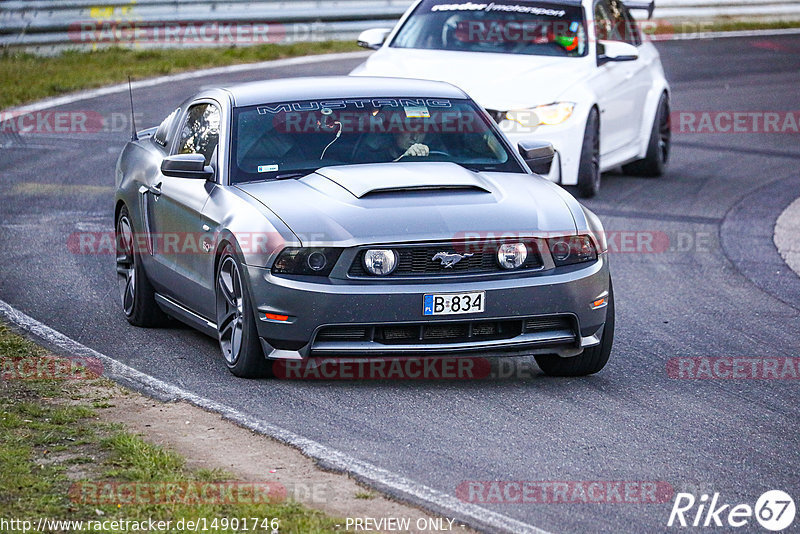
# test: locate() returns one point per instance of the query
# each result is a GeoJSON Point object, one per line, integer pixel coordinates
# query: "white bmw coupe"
{"type": "Point", "coordinates": [575, 73]}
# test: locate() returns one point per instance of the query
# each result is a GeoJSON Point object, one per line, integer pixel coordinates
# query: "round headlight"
{"type": "Point", "coordinates": [512, 255]}
{"type": "Point", "coordinates": [572, 250]}
{"type": "Point", "coordinates": [561, 250]}
{"type": "Point", "coordinates": [317, 261]}
{"type": "Point", "coordinates": [380, 262]}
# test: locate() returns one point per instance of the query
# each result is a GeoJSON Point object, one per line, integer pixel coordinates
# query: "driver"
{"type": "Point", "coordinates": [415, 143]}
{"type": "Point", "coordinates": [399, 141]}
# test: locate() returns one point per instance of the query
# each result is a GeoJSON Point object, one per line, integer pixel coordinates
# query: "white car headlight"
{"type": "Point", "coordinates": [550, 114]}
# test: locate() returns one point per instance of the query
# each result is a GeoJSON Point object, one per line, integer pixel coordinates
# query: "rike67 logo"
{"type": "Point", "coordinates": [774, 510]}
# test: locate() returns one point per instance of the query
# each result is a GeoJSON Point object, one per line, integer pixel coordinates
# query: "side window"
{"type": "Point", "coordinates": [200, 132]}
{"type": "Point", "coordinates": [632, 34]}
{"type": "Point", "coordinates": [613, 22]}
{"type": "Point", "coordinates": [162, 133]}
{"type": "Point", "coordinates": [603, 23]}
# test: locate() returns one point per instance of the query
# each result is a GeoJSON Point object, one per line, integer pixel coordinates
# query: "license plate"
{"type": "Point", "coordinates": [454, 303]}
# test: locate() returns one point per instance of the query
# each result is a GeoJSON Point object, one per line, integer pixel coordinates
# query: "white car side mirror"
{"type": "Point", "coordinates": [608, 51]}
{"type": "Point", "coordinates": [374, 38]}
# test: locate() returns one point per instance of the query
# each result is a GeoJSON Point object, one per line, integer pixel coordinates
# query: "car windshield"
{"type": "Point", "coordinates": [292, 139]}
{"type": "Point", "coordinates": [532, 28]}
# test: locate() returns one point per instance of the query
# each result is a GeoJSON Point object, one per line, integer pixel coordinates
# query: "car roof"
{"type": "Point", "coordinates": [333, 87]}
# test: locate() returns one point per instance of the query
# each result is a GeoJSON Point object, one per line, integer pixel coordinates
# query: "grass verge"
{"type": "Point", "coordinates": [59, 460]}
{"type": "Point", "coordinates": [26, 77]}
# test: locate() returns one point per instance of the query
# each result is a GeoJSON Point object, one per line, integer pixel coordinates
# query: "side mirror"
{"type": "Point", "coordinates": [608, 51]}
{"type": "Point", "coordinates": [374, 38]}
{"type": "Point", "coordinates": [187, 166]}
{"type": "Point", "coordinates": [538, 155]}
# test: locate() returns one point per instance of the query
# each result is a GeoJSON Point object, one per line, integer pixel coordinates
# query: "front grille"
{"type": "Point", "coordinates": [436, 332]}
{"type": "Point", "coordinates": [447, 332]}
{"type": "Point", "coordinates": [417, 260]}
{"type": "Point", "coordinates": [538, 324]}
{"type": "Point", "coordinates": [343, 333]}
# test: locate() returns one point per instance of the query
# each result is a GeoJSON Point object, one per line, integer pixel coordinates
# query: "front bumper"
{"type": "Point", "coordinates": [312, 306]}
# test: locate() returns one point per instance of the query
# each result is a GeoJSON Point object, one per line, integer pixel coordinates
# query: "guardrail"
{"type": "Point", "coordinates": [46, 26]}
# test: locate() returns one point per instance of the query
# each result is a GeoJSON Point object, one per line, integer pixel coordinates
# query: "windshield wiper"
{"type": "Point", "coordinates": [289, 175]}
{"type": "Point", "coordinates": [468, 167]}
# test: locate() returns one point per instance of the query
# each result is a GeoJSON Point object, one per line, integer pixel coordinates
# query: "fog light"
{"type": "Point", "coordinates": [380, 262]}
{"type": "Point", "coordinates": [512, 255]}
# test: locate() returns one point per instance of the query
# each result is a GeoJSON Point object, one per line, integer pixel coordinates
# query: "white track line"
{"type": "Point", "coordinates": [123, 87]}
{"type": "Point", "coordinates": [415, 493]}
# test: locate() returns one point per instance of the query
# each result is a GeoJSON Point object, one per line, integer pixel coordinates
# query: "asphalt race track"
{"type": "Point", "coordinates": [718, 289]}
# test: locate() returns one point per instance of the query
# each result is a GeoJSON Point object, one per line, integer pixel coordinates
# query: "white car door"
{"type": "Point", "coordinates": [621, 86]}
{"type": "Point", "coordinates": [641, 73]}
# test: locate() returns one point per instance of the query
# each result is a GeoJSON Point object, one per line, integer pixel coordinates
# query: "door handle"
{"type": "Point", "coordinates": [154, 190]}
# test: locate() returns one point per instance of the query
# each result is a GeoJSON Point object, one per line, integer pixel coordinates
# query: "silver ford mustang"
{"type": "Point", "coordinates": [356, 217]}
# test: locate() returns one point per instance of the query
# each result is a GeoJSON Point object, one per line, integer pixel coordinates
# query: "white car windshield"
{"type": "Point", "coordinates": [532, 28]}
{"type": "Point", "coordinates": [291, 139]}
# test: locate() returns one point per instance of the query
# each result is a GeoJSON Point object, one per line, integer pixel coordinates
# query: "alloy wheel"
{"type": "Point", "coordinates": [664, 134]}
{"type": "Point", "coordinates": [230, 309]}
{"type": "Point", "coordinates": [126, 265]}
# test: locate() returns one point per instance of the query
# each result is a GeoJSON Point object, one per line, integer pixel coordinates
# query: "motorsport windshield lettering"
{"type": "Point", "coordinates": [502, 8]}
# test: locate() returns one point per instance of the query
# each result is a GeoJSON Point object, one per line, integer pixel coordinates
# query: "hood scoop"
{"type": "Point", "coordinates": [364, 180]}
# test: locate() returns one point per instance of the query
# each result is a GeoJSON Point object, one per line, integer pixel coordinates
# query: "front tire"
{"type": "Point", "coordinates": [655, 162]}
{"type": "Point", "coordinates": [236, 324]}
{"type": "Point", "coordinates": [136, 293]}
{"type": "Point", "coordinates": [592, 360]}
{"type": "Point", "coordinates": [589, 165]}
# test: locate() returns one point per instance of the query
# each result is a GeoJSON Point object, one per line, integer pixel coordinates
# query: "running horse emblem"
{"type": "Point", "coordinates": [449, 260]}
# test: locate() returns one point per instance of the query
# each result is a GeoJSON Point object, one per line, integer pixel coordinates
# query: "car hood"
{"type": "Point", "coordinates": [495, 81]}
{"type": "Point", "coordinates": [405, 202]}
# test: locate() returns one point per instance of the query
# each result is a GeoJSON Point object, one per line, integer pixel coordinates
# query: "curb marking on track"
{"type": "Point", "coordinates": [436, 501]}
